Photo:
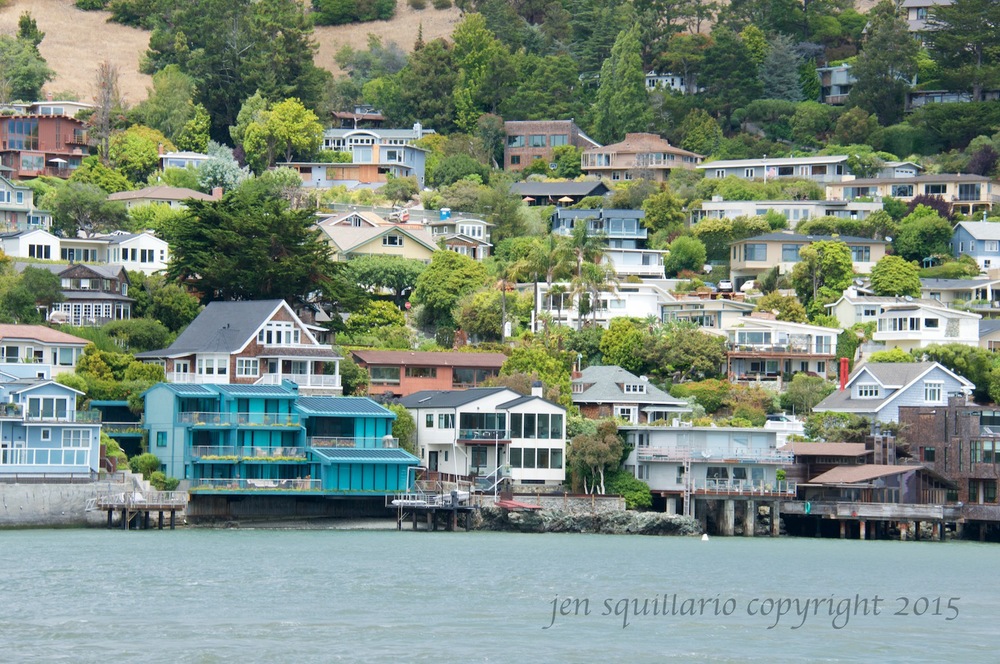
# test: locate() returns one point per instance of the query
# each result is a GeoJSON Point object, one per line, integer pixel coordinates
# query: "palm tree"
{"type": "Point", "coordinates": [594, 279]}
{"type": "Point", "coordinates": [558, 290]}
{"type": "Point", "coordinates": [586, 247]}
{"type": "Point", "coordinates": [551, 258]}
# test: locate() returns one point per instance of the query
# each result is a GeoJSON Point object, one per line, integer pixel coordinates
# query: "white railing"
{"type": "Point", "coordinates": [251, 484]}
{"type": "Point", "coordinates": [645, 453]}
{"type": "Point", "coordinates": [142, 500]}
{"type": "Point", "coordinates": [26, 456]}
{"type": "Point", "coordinates": [230, 453]}
{"type": "Point", "coordinates": [745, 487]}
{"type": "Point", "coordinates": [302, 380]}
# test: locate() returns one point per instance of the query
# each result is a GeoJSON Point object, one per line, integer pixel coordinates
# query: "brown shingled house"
{"type": "Point", "coordinates": [403, 372]}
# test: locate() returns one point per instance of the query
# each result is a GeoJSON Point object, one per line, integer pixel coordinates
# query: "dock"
{"type": "Point", "coordinates": [435, 501]}
{"type": "Point", "coordinates": [136, 507]}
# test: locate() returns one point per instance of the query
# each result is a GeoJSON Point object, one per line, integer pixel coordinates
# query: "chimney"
{"type": "Point", "coordinates": [843, 373]}
{"type": "Point", "coordinates": [217, 193]}
{"type": "Point", "coordinates": [536, 389]}
{"type": "Point", "coordinates": [159, 149]}
{"type": "Point", "coordinates": [48, 96]}
{"type": "Point", "coordinates": [418, 130]}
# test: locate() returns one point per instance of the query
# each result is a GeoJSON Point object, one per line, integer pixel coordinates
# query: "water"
{"type": "Point", "coordinates": [354, 596]}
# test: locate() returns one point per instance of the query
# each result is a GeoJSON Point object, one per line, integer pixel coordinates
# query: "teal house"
{"type": "Point", "coordinates": [268, 439]}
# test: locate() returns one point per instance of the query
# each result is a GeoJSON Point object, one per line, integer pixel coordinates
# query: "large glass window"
{"type": "Point", "coordinates": [790, 253]}
{"type": "Point", "coordinates": [861, 254]}
{"type": "Point", "coordinates": [384, 375]}
{"type": "Point", "coordinates": [421, 372]}
{"type": "Point", "coordinates": [536, 141]}
{"type": "Point", "coordinates": [755, 251]}
{"type": "Point", "coordinates": [933, 391]}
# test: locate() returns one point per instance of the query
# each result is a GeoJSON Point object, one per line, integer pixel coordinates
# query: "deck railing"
{"type": "Point", "coordinates": [252, 484]}
{"type": "Point", "coordinates": [359, 442]}
{"type": "Point", "coordinates": [744, 487]}
{"type": "Point", "coordinates": [195, 418]}
{"type": "Point", "coordinates": [483, 434]}
{"type": "Point", "coordinates": [234, 453]}
{"type": "Point", "coordinates": [31, 456]}
{"type": "Point", "coordinates": [645, 453]}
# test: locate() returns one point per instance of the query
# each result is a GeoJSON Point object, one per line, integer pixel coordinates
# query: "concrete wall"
{"type": "Point", "coordinates": [48, 505]}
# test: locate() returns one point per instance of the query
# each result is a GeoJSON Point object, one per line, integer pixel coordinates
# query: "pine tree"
{"type": "Point", "coordinates": [622, 102]}
{"type": "Point", "coordinates": [779, 72]}
{"type": "Point", "coordinates": [888, 60]}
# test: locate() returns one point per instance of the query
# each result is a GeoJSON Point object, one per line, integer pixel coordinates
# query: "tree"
{"type": "Point", "coordinates": [779, 71]}
{"type": "Point", "coordinates": [622, 104]}
{"type": "Point", "coordinates": [80, 207]}
{"type": "Point", "coordinates": [137, 335]}
{"type": "Point", "coordinates": [93, 171]}
{"type": "Point", "coordinates": [449, 276]}
{"type": "Point", "coordinates": [922, 233]}
{"type": "Point", "coordinates": [395, 274]}
{"type": "Point", "coordinates": [404, 428]}
{"type": "Point", "coordinates": [964, 38]}
{"type": "Point", "coordinates": [590, 455]}
{"type": "Point", "coordinates": [354, 379]}
{"type": "Point", "coordinates": [375, 314]}
{"type": "Point", "coordinates": [136, 151]}
{"type": "Point", "coordinates": [167, 107]}
{"type": "Point", "coordinates": [973, 363]}
{"type": "Point", "coordinates": [785, 307]}
{"type": "Point", "coordinates": [221, 169]}
{"type": "Point", "coordinates": [458, 167]}
{"type": "Point", "coordinates": [893, 275]}
{"type": "Point", "coordinates": [685, 55]}
{"type": "Point", "coordinates": [248, 246]}
{"type": "Point", "coordinates": [399, 190]}
{"type": "Point", "coordinates": [108, 105]}
{"type": "Point", "coordinates": [855, 126]}
{"type": "Point", "coordinates": [540, 364]}
{"type": "Point", "coordinates": [485, 71]}
{"type": "Point", "coordinates": [823, 272]}
{"type": "Point", "coordinates": [621, 344]}
{"type": "Point", "coordinates": [27, 29]}
{"type": "Point", "coordinates": [682, 351]}
{"type": "Point", "coordinates": [891, 355]}
{"type": "Point", "coordinates": [887, 61]}
{"type": "Point", "coordinates": [729, 74]}
{"type": "Point", "coordinates": [194, 135]}
{"type": "Point", "coordinates": [804, 391]}
{"type": "Point", "coordinates": [664, 211]}
{"type": "Point", "coordinates": [23, 71]}
{"type": "Point", "coordinates": [686, 253]}
{"type": "Point", "coordinates": [288, 128]}
{"type": "Point", "coordinates": [700, 132]}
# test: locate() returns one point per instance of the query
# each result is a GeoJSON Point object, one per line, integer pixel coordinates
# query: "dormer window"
{"type": "Point", "coordinates": [577, 388]}
{"type": "Point", "coordinates": [634, 388]}
{"type": "Point", "coordinates": [868, 391]}
{"type": "Point", "coordinates": [279, 333]}
{"type": "Point", "coordinates": [392, 240]}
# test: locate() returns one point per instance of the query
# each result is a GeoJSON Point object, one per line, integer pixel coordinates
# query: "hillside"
{"type": "Point", "coordinates": [76, 41]}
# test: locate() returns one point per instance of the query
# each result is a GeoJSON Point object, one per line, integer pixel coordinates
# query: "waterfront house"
{"type": "Point", "coordinates": [638, 155]}
{"type": "Point", "coordinates": [971, 294]}
{"type": "Point", "coordinates": [911, 325]}
{"type": "Point", "coordinates": [633, 300]}
{"type": "Point", "coordinates": [528, 140]}
{"type": "Point", "coordinates": [853, 308]}
{"type": "Point", "coordinates": [610, 391]}
{"type": "Point", "coordinates": [765, 351]}
{"type": "Point", "coordinates": [237, 439]}
{"type": "Point", "coordinates": [706, 310]}
{"type": "Point", "coordinates": [261, 342]}
{"type": "Point", "coordinates": [876, 390]}
{"type": "Point", "coordinates": [403, 372]}
{"type": "Point", "coordinates": [489, 432]}
{"type": "Point", "coordinates": [376, 155]}
{"type": "Point", "coordinates": [819, 168]}
{"type": "Point", "coordinates": [347, 242]}
{"type": "Point", "coordinates": [183, 159]}
{"type": "Point", "coordinates": [42, 434]}
{"type": "Point", "coordinates": [756, 255]}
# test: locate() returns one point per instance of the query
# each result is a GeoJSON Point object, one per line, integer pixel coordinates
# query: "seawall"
{"type": "Point", "coordinates": [604, 523]}
{"type": "Point", "coordinates": [48, 505]}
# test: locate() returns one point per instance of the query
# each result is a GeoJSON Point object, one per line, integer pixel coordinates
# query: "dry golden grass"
{"type": "Point", "coordinates": [76, 41]}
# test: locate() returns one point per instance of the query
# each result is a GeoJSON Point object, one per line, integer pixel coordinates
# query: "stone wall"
{"type": "Point", "coordinates": [607, 523]}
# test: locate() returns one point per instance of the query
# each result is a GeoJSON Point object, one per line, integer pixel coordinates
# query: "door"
{"type": "Point", "coordinates": [432, 461]}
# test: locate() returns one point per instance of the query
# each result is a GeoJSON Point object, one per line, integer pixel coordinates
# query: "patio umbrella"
{"type": "Point", "coordinates": [565, 199]}
{"type": "Point", "coordinates": [527, 199]}
{"type": "Point", "coordinates": [58, 160]}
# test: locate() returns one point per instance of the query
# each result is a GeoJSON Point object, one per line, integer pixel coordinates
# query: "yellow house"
{"type": "Point", "coordinates": [965, 192]}
{"type": "Point", "coordinates": [753, 256]}
{"type": "Point", "coordinates": [347, 242]}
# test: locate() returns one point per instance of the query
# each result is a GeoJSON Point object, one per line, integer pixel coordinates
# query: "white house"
{"type": "Point", "coordinates": [794, 211]}
{"type": "Point", "coordinates": [37, 243]}
{"type": "Point", "coordinates": [761, 349]}
{"type": "Point", "coordinates": [17, 207]}
{"type": "Point", "coordinates": [486, 431]}
{"type": "Point", "coordinates": [852, 308]}
{"type": "Point", "coordinates": [910, 325]}
{"type": "Point", "coordinates": [467, 236]}
{"type": "Point", "coordinates": [142, 252]}
{"type": "Point", "coordinates": [634, 300]}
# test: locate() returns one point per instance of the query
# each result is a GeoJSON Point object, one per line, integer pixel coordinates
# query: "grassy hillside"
{"type": "Point", "coordinates": [76, 41]}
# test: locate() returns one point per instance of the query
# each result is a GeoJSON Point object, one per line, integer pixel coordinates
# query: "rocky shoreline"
{"type": "Point", "coordinates": [606, 523]}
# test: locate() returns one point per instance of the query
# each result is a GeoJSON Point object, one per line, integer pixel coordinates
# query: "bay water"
{"type": "Point", "coordinates": [201, 595]}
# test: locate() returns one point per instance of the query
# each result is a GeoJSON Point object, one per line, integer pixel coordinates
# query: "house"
{"type": "Point", "coordinates": [812, 459]}
{"type": "Point", "coordinates": [978, 239]}
{"type": "Point", "coordinates": [32, 144]}
{"type": "Point", "coordinates": [38, 351]}
{"type": "Point", "coordinates": [966, 193]}
{"type": "Point", "coordinates": [347, 242]}
{"type": "Point", "coordinates": [61, 107]}
{"type": "Point", "coordinates": [353, 219]}
{"type": "Point", "coordinates": [982, 294]}
{"type": "Point", "coordinates": [634, 300]}
{"type": "Point", "coordinates": [877, 389]}
{"type": "Point", "coordinates": [35, 243]}
{"type": "Point", "coordinates": [639, 155]}
{"type": "Point", "coordinates": [361, 116]}
{"type": "Point", "coordinates": [852, 308]}
{"type": "Point", "coordinates": [161, 195]}
{"type": "Point", "coordinates": [94, 294]}
{"type": "Point", "coordinates": [484, 431]}
{"type": "Point", "coordinates": [120, 424]}
{"type": "Point", "coordinates": [528, 140]}
{"type": "Point", "coordinates": [794, 211]}
{"type": "Point", "coordinates": [17, 207]}
{"type": "Point", "coordinates": [711, 313]}
{"type": "Point", "coordinates": [989, 334]}
{"type": "Point", "coordinates": [403, 372]}
{"type": "Point", "coordinates": [762, 350]}
{"type": "Point", "coordinates": [819, 168]}
{"type": "Point", "coordinates": [260, 342]}
{"type": "Point", "coordinates": [559, 192]}
{"type": "Point", "coordinates": [376, 154]}
{"type": "Point", "coordinates": [918, 11]}
{"type": "Point", "coordinates": [138, 252]}
{"type": "Point", "coordinates": [610, 391]}
{"type": "Point", "coordinates": [469, 237]}
{"type": "Point", "coordinates": [624, 234]}
{"type": "Point", "coordinates": [692, 469]}
{"type": "Point", "coordinates": [182, 160]}
{"type": "Point", "coordinates": [754, 256]}
{"type": "Point", "coordinates": [270, 440]}
{"type": "Point", "coordinates": [835, 84]}
{"type": "Point", "coordinates": [43, 435]}
{"type": "Point", "coordinates": [670, 81]}
{"type": "Point", "coordinates": [910, 325]}
{"type": "Point", "coordinates": [960, 441]}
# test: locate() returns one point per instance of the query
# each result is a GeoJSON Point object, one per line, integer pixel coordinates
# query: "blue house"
{"type": "Point", "coordinates": [979, 239]}
{"type": "Point", "coordinates": [41, 431]}
{"type": "Point", "coordinates": [877, 389]}
{"type": "Point", "coordinates": [624, 234]}
{"type": "Point", "coordinates": [269, 439]}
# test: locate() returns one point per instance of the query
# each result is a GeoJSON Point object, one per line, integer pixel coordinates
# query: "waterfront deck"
{"type": "Point", "coordinates": [136, 506]}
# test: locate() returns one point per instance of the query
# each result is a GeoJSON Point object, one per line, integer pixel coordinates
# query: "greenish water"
{"type": "Point", "coordinates": [322, 596]}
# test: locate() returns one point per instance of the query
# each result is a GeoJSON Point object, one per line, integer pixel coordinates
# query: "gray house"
{"type": "Point", "coordinates": [606, 391]}
{"type": "Point", "coordinates": [877, 389]}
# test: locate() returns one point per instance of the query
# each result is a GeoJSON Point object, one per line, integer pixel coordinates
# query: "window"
{"type": "Point", "coordinates": [247, 366]}
{"type": "Point", "coordinates": [46, 434]}
{"type": "Point", "coordinates": [47, 408]}
{"type": "Point", "coordinates": [867, 391]}
{"type": "Point", "coordinates": [749, 173]}
{"type": "Point", "coordinates": [790, 253]}
{"type": "Point", "coordinates": [968, 192]}
{"type": "Point", "coordinates": [558, 139]}
{"type": "Point", "coordinates": [515, 141]}
{"type": "Point", "coordinates": [556, 459]}
{"type": "Point", "coordinates": [392, 240]}
{"type": "Point", "coordinates": [785, 170]}
{"type": "Point", "coordinates": [446, 421]}
{"type": "Point", "coordinates": [515, 159]}
{"type": "Point", "coordinates": [635, 388]}
{"type": "Point", "coordinates": [421, 372]}
{"type": "Point", "coordinates": [819, 170]}
{"type": "Point", "coordinates": [933, 391]}
{"type": "Point", "coordinates": [528, 457]}
{"type": "Point", "coordinates": [429, 420]}
{"type": "Point", "coordinates": [536, 141]}
{"type": "Point", "coordinates": [624, 412]}
{"type": "Point", "coordinates": [720, 173]}
{"type": "Point", "coordinates": [861, 253]}
{"type": "Point", "coordinates": [992, 245]}
{"type": "Point", "coordinates": [902, 190]}
{"type": "Point", "coordinates": [478, 456]}
{"type": "Point", "coordinates": [931, 323]}
{"type": "Point", "coordinates": [515, 457]}
{"type": "Point", "coordinates": [161, 438]}
{"type": "Point", "coordinates": [755, 251]}
{"type": "Point", "coordinates": [935, 189]}
{"type": "Point", "coordinates": [40, 251]}
{"type": "Point", "coordinates": [542, 458]}
{"type": "Point", "coordinates": [384, 375]}
{"type": "Point", "coordinates": [928, 454]}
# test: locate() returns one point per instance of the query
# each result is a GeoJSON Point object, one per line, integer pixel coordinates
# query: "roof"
{"type": "Point", "coordinates": [643, 142]}
{"type": "Point", "coordinates": [160, 192]}
{"type": "Point", "coordinates": [39, 333]}
{"type": "Point", "coordinates": [366, 215]}
{"type": "Point", "coordinates": [347, 238]}
{"type": "Point", "coordinates": [785, 161]}
{"type": "Point", "coordinates": [221, 327]}
{"type": "Point", "coordinates": [827, 449]}
{"type": "Point", "coordinates": [584, 188]}
{"type": "Point", "coordinates": [364, 455]}
{"type": "Point", "coordinates": [187, 389]}
{"type": "Point", "coordinates": [429, 358]}
{"type": "Point", "coordinates": [883, 299]}
{"type": "Point", "coordinates": [259, 391]}
{"type": "Point", "coordinates": [916, 179]}
{"type": "Point", "coordinates": [795, 237]}
{"type": "Point", "coordinates": [895, 377]}
{"type": "Point", "coordinates": [449, 398]}
{"type": "Point", "coordinates": [520, 401]}
{"type": "Point", "coordinates": [956, 284]}
{"type": "Point", "coordinates": [988, 326]}
{"type": "Point", "coordinates": [604, 386]}
{"type": "Point", "coordinates": [862, 473]}
{"type": "Point", "coordinates": [981, 230]}
{"type": "Point", "coordinates": [892, 374]}
{"type": "Point", "coordinates": [342, 407]}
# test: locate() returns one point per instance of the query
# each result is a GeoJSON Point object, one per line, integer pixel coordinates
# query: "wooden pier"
{"type": "Point", "coordinates": [137, 506]}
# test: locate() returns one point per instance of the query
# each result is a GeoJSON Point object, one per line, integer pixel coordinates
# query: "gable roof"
{"type": "Point", "coordinates": [39, 333]}
{"type": "Point", "coordinates": [556, 189]}
{"type": "Point", "coordinates": [221, 327]}
{"type": "Point", "coordinates": [981, 230]}
{"type": "Point", "coordinates": [342, 407]}
{"type": "Point", "coordinates": [861, 473]}
{"type": "Point", "coordinates": [160, 192]}
{"type": "Point", "coordinates": [643, 142]}
{"type": "Point", "coordinates": [604, 386]}
{"type": "Point", "coordinates": [895, 377]}
{"type": "Point", "coordinates": [367, 216]}
{"type": "Point", "coordinates": [348, 238]}
{"type": "Point", "coordinates": [451, 398]}
{"type": "Point", "coordinates": [430, 358]}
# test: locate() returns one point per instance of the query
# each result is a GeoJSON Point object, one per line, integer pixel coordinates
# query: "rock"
{"type": "Point", "coordinates": [611, 523]}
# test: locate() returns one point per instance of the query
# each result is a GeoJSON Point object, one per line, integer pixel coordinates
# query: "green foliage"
{"type": "Point", "coordinates": [139, 334]}
{"type": "Point", "coordinates": [700, 132]}
{"type": "Point", "coordinates": [448, 277]}
{"type": "Point", "coordinates": [621, 104]}
{"type": "Point", "coordinates": [922, 233]}
{"type": "Point", "coordinates": [621, 344]}
{"type": "Point", "coordinates": [92, 171]}
{"type": "Point", "coordinates": [168, 303]}
{"type": "Point", "coordinates": [399, 190]}
{"type": "Point", "coordinates": [136, 151]}
{"type": "Point", "coordinates": [78, 207]}
{"type": "Point", "coordinates": [822, 274]}
{"type": "Point", "coordinates": [287, 129]}
{"type": "Point", "coordinates": [951, 126]}
{"type": "Point", "coordinates": [711, 394]}
{"type": "Point", "coordinates": [479, 314]}
{"type": "Point", "coordinates": [729, 73]}
{"type": "Point", "coordinates": [167, 107]}
{"type": "Point", "coordinates": [458, 167]}
{"type": "Point", "coordinates": [973, 363]}
{"type": "Point", "coordinates": [159, 481]}
{"type": "Point", "coordinates": [221, 169]}
{"type": "Point", "coordinates": [146, 464]}
{"type": "Point", "coordinates": [373, 315]}
{"type": "Point", "coordinates": [353, 378]}
{"type": "Point", "coordinates": [338, 12]}
{"type": "Point", "coordinates": [591, 455]}
{"type": "Point", "coordinates": [24, 70]}
{"type": "Point", "coordinates": [553, 371]}
{"type": "Point", "coordinates": [893, 275]}
{"type": "Point", "coordinates": [804, 392]}
{"type": "Point", "coordinates": [682, 351]}
{"type": "Point", "coordinates": [887, 61]}
{"type": "Point", "coordinates": [404, 428]}
{"type": "Point", "coordinates": [963, 39]}
{"type": "Point", "coordinates": [395, 274]}
{"type": "Point", "coordinates": [837, 427]}
{"type": "Point", "coordinates": [635, 492]}
{"type": "Point", "coordinates": [112, 449]}
{"type": "Point", "coordinates": [779, 70]}
{"type": "Point", "coordinates": [686, 253]}
{"type": "Point", "coordinates": [786, 307]}
{"type": "Point", "coordinates": [891, 355]}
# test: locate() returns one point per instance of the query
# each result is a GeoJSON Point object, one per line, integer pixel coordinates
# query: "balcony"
{"type": "Point", "coordinates": [743, 488]}
{"type": "Point", "coordinates": [207, 419]}
{"type": "Point", "coordinates": [369, 442]}
{"type": "Point", "coordinates": [74, 459]}
{"type": "Point", "coordinates": [484, 436]}
{"type": "Point", "coordinates": [302, 380]}
{"type": "Point", "coordinates": [302, 485]}
{"type": "Point", "coordinates": [122, 428]}
{"type": "Point", "coordinates": [77, 417]}
{"type": "Point", "coordinates": [780, 349]}
{"type": "Point", "coordinates": [206, 453]}
{"type": "Point", "coordinates": [644, 453]}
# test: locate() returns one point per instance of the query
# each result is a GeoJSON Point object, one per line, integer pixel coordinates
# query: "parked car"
{"type": "Point", "coordinates": [725, 286]}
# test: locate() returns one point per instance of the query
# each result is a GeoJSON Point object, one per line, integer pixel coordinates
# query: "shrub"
{"type": "Point", "coordinates": [441, 4]}
{"type": "Point", "coordinates": [338, 12]}
{"type": "Point", "coordinates": [635, 492]}
{"type": "Point", "coordinates": [711, 394]}
{"type": "Point", "coordinates": [161, 482]}
{"type": "Point", "coordinates": [90, 5]}
{"type": "Point", "coordinates": [418, 4]}
{"type": "Point", "coordinates": [147, 464]}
